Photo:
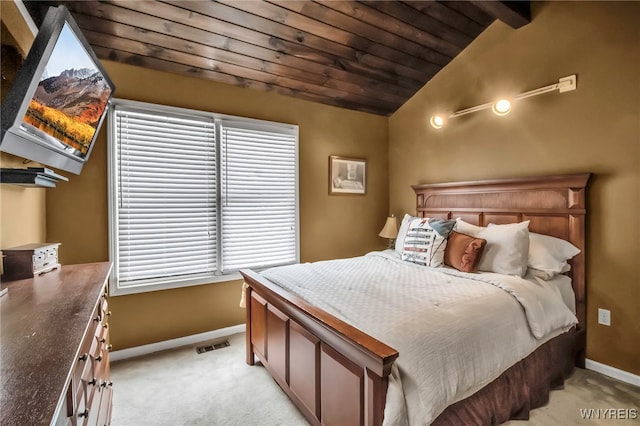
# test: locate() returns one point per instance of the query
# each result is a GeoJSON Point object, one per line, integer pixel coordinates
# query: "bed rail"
{"type": "Point", "coordinates": [335, 373]}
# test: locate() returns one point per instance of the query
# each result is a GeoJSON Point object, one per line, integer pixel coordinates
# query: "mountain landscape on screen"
{"type": "Point", "coordinates": [69, 106]}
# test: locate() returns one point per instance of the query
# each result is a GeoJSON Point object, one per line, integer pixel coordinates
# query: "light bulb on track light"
{"type": "Point", "coordinates": [437, 121]}
{"type": "Point", "coordinates": [502, 107]}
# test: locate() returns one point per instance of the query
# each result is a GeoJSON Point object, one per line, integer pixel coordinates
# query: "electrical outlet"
{"type": "Point", "coordinates": [604, 316]}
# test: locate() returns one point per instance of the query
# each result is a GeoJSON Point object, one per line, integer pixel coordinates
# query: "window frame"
{"type": "Point", "coordinates": [155, 284]}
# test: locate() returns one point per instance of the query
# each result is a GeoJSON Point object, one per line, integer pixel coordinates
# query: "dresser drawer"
{"type": "Point", "coordinates": [90, 379]}
{"type": "Point", "coordinates": [104, 415]}
{"type": "Point", "coordinates": [80, 395]}
{"type": "Point", "coordinates": [85, 348]}
{"type": "Point", "coordinates": [104, 308]}
{"type": "Point", "coordinates": [92, 405]}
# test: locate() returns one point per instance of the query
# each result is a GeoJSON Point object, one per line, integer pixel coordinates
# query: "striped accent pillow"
{"type": "Point", "coordinates": [426, 240]}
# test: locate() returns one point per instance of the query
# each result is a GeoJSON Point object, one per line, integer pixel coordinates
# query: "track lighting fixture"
{"type": "Point", "coordinates": [503, 106]}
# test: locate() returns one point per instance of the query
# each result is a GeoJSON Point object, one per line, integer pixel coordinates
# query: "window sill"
{"type": "Point", "coordinates": [145, 288]}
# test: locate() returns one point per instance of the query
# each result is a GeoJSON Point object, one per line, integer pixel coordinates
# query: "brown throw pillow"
{"type": "Point", "coordinates": [463, 251]}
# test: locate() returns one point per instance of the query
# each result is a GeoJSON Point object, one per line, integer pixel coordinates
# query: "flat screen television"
{"type": "Point", "coordinates": [58, 102]}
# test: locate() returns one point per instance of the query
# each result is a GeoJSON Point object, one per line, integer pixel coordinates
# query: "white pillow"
{"type": "Point", "coordinates": [426, 241]}
{"type": "Point", "coordinates": [507, 248]}
{"type": "Point", "coordinates": [467, 228]}
{"type": "Point", "coordinates": [402, 232]}
{"type": "Point", "coordinates": [548, 255]}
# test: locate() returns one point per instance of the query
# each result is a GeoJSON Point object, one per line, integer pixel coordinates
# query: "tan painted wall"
{"type": "Point", "coordinates": [331, 226]}
{"type": "Point", "coordinates": [593, 129]}
{"type": "Point", "coordinates": [22, 210]}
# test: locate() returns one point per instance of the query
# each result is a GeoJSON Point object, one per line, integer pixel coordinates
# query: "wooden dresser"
{"type": "Point", "coordinates": [54, 352]}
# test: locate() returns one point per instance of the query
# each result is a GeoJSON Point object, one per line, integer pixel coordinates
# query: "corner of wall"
{"type": "Point", "coordinates": [17, 20]}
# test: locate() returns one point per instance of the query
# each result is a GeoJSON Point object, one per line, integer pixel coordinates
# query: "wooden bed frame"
{"type": "Point", "coordinates": [336, 374]}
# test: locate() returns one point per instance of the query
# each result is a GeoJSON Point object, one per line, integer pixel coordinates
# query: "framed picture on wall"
{"type": "Point", "coordinates": [347, 175]}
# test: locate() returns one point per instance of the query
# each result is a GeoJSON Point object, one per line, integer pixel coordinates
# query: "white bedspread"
{"type": "Point", "coordinates": [455, 332]}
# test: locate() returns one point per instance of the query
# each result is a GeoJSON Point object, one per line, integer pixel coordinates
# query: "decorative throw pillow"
{"type": "Point", "coordinates": [507, 248]}
{"type": "Point", "coordinates": [426, 241]}
{"type": "Point", "coordinates": [548, 255]}
{"type": "Point", "coordinates": [402, 232]}
{"type": "Point", "coordinates": [463, 251]}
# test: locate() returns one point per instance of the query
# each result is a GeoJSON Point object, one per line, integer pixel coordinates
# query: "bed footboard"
{"type": "Point", "coordinates": [334, 373]}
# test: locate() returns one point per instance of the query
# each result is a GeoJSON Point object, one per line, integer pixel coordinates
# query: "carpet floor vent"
{"type": "Point", "coordinates": [209, 348]}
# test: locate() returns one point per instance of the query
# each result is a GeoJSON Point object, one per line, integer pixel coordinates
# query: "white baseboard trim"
{"type": "Point", "coordinates": [175, 343]}
{"type": "Point", "coordinates": [616, 373]}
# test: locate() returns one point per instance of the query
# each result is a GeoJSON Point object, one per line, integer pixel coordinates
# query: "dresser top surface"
{"type": "Point", "coordinates": [43, 322]}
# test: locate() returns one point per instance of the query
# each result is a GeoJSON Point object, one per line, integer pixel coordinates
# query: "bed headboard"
{"type": "Point", "coordinates": [555, 205]}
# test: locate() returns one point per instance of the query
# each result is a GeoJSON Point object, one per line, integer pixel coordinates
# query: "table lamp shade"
{"type": "Point", "coordinates": [390, 229]}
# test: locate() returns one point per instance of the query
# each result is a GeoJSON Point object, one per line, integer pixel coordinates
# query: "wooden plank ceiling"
{"type": "Point", "coordinates": [368, 56]}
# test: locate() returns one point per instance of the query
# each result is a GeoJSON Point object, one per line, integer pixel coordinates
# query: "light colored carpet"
{"type": "Point", "coordinates": [182, 387]}
{"type": "Point", "coordinates": [587, 390]}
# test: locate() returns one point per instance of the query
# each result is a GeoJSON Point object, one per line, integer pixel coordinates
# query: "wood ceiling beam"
{"type": "Point", "coordinates": [466, 8]}
{"type": "Point", "coordinates": [513, 13]}
{"type": "Point", "coordinates": [442, 13]}
{"type": "Point", "coordinates": [401, 20]}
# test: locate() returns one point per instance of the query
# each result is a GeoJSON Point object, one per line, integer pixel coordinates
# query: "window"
{"type": "Point", "coordinates": [195, 196]}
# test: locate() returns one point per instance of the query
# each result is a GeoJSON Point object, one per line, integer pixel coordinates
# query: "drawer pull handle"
{"type": "Point", "coordinates": [103, 340]}
{"type": "Point", "coordinates": [105, 325]}
{"type": "Point", "coordinates": [99, 358]}
{"type": "Point", "coordinates": [85, 413]}
{"type": "Point", "coordinates": [109, 347]}
{"type": "Point", "coordinates": [93, 382]}
{"type": "Point", "coordinates": [106, 384]}
{"type": "Point", "coordinates": [97, 318]}
{"type": "Point", "coordinates": [84, 357]}
{"type": "Point", "coordinates": [108, 313]}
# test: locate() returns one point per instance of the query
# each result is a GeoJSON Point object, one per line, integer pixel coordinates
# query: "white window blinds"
{"type": "Point", "coordinates": [258, 197]}
{"type": "Point", "coordinates": [195, 195]}
{"type": "Point", "coordinates": [166, 195]}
